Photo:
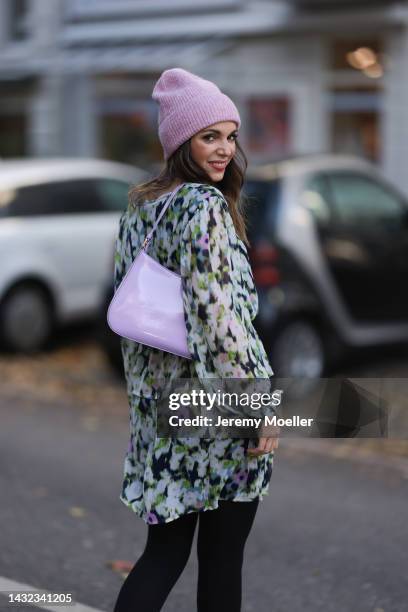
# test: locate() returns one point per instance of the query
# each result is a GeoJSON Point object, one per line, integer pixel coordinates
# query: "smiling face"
{"type": "Point", "coordinates": [214, 147]}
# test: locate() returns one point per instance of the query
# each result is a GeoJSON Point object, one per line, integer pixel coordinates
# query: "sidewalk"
{"type": "Point", "coordinates": [376, 453]}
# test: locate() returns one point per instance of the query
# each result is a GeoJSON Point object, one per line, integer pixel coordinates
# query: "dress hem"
{"type": "Point", "coordinates": [238, 498]}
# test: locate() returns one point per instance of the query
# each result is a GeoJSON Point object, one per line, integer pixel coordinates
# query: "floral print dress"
{"type": "Point", "coordinates": [166, 478]}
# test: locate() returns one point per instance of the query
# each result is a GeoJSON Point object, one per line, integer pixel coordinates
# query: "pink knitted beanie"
{"type": "Point", "coordinates": [188, 104]}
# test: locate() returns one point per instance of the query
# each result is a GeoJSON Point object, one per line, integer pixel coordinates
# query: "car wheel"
{"type": "Point", "coordinates": [26, 318]}
{"type": "Point", "coordinates": [298, 352]}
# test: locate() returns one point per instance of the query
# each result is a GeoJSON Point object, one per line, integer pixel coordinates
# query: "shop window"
{"type": "Point", "coordinates": [356, 132]}
{"type": "Point", "coordinates": [129, 132]}
{"type": "Point", "coordinates": [268, 135]}
{"type": "Point", "coordinates": [357, 65]}
{"type": "Point", "coordinates": [356, 54]}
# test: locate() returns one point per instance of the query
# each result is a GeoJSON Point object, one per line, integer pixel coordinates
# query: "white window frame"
{"type": "Point", "coordinates": [102, 8]}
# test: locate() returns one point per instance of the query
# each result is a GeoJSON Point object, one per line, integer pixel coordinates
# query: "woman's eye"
{"type": "Point", "coordinates": [208, 136]}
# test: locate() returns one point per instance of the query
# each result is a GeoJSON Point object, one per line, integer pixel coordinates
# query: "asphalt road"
{"type": "Point", "coordinates": [330, 537]}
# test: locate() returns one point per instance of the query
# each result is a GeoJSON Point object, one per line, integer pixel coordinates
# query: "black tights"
{"type": "Point", "coordinates": [222, 535]}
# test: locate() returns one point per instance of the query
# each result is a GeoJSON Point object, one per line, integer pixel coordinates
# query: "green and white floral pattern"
{"type": "Point", "coordinates": [196, 238]}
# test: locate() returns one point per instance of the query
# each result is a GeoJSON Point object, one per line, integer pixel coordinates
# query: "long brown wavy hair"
{"type": "Point", "coordinates": [181, 166]}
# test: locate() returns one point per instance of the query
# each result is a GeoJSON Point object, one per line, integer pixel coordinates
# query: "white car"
{"type": "Point", "coordinates": [58, 221]}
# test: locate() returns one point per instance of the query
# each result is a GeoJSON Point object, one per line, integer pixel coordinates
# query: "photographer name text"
{"type": "Point", "coordinates": [205, 421]}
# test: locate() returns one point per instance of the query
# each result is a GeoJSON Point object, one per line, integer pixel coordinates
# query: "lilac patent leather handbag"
{"type": "Point", "coordinates": [147, 307]}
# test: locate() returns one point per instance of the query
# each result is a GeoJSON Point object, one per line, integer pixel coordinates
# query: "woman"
{"type": "Point", "coordinates": [173, 484]}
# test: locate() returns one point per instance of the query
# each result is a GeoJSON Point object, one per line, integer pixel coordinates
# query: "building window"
{"type": "Point", "coordinates": [355, 125]}
{"type": "Point", "coordinates": [268, 135]}
{"type": "Point", "coordinates": [13, 131]}
{"type": "Point", "coordinates": [362, 55]}
{"type": "Point", "coordinates": [18, 19]}
{"type": "Point", "coordinates": [355, 96]}
{"type": "Point", "coordinates": [129, 131]}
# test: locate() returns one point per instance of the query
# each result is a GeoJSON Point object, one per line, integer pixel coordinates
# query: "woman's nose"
{"type": "Point", "coordinates": [225, 149]}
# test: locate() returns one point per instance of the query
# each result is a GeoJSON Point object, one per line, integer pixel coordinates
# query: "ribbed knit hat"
{"type": "Point", "coordinates": [188, 104]}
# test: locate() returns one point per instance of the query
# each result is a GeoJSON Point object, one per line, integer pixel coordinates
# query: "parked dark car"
{"type": "Point", "coordinates": [329, 254]}
{"type": "Point", "coordinates": [329, 251]}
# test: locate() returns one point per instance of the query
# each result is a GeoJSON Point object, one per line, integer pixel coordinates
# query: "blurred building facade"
{"type": "Point", "coordinates": [76, 75]}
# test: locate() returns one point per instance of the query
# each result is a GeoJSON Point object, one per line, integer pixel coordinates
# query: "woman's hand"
{"type": "Point", "coordinates": [267, 442]}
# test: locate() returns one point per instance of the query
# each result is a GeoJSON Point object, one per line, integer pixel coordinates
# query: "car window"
{"type": "Point", "coordinates": [359, 199]}
{"type": "Point", "coordinates": [62, 197]}
{"type": "Point", "coordinates": [113, 193]}
{"type": "Point", "coordinates": [262, 207]}
{"type": "Point", "coordinates": [316, 198]}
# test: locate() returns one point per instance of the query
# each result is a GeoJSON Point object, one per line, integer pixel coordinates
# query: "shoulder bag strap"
{"type": "Point", "coordinates": [165, 207]}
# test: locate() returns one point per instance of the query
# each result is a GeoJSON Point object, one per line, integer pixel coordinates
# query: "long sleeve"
{"type": "Point", "coordinates": [212, 294]}
{"type": "Point", "coordinates": [118, 261]}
